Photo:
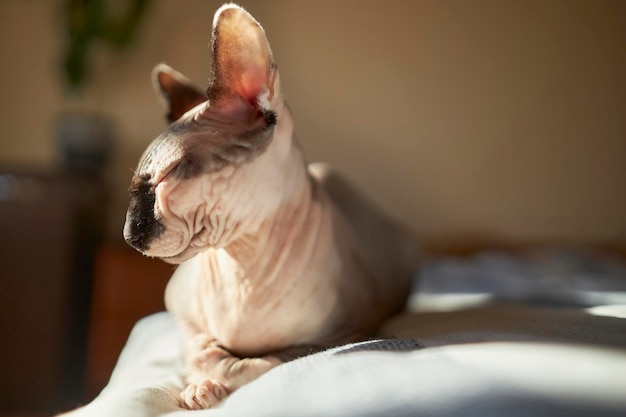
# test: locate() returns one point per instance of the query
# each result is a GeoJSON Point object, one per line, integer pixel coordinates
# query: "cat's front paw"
{"type": "Point", "coordinates": [205, 394]}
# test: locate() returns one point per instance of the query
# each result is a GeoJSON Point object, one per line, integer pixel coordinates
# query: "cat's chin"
{"type": "Point", "coordinates": [183, 256]}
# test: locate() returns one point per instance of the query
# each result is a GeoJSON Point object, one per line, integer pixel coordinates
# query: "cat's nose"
{"type": "Point", "coordinates": [136, 241]}
{"type": "Point", "coordinates": [140, 231]}
{"type": "Point", "coordinates": [135, 234]}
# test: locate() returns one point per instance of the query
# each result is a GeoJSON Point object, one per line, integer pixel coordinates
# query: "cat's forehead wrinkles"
{"type": "Point", "coordinates": [178, 127]}
{"type": "Point", "coordinates": [175, 133]}
{"type": "Point", "coordinates": [162, 147]}
{"type": "Point", "coordinates": [188, 149]}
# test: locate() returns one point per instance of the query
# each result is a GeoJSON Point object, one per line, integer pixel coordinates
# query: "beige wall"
{"type": "Point", "coordinates": [497, 118]}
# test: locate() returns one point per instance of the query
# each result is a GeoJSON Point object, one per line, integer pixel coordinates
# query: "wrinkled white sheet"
{"type": "Point", "coordinates": [533, 377]}
{"type": "Point", "coordinates": [385, 378]}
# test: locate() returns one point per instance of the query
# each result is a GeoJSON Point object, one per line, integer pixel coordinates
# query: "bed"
{"type": "Point", "coordinates": [541, 333]}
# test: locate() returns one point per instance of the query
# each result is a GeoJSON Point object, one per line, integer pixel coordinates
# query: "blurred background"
{"type": "Point", "coordinates": [472, 122]}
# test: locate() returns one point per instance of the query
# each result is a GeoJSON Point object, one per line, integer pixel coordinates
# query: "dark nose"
{"type": "Point", "coordinates": [136, 234]}
{"type": "Point", "coordinates": [140, 232]}
{"type": "Point", "coordinates": [141, 227]}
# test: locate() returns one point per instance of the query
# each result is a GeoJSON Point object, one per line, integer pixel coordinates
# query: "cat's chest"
{"type": "Point", "coordinates": [251, 314]}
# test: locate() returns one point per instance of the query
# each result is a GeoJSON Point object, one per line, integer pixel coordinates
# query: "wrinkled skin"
{"type": "Point", "coordinates": [277, 258]}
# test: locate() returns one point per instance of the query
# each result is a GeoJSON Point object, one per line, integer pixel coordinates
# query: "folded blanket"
{"type": "Point", "coordinates": [381, 378]}
{"type": "Point", "coordinates": [516, 361]}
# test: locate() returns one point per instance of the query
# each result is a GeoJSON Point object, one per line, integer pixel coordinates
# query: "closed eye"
{"type": "Point", "coordinates": [187, 168]}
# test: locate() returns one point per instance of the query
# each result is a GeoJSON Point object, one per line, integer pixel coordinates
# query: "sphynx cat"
{"type": "Point", "coordinates": [277, 258]}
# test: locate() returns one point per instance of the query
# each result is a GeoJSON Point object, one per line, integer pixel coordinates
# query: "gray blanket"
{"type": "Point", "coordinates": [522, 359]}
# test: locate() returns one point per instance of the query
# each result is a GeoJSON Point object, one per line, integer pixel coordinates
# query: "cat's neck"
{"type": "Point", "coordinates": [286, 236]}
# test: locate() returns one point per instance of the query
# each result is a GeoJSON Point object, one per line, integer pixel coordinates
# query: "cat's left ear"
{"type": "Point", "coordinates": [180, 94]}
{"type": "Point", "coordinates": [244, 77]}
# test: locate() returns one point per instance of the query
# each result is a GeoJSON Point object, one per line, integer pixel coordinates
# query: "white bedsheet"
{"type": "Point", "coordinates": [384, 378]}
{"type": "Point", "coordinates": [530, 377]}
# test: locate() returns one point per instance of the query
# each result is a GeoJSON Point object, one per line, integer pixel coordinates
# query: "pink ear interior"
{"type": "Point", "coordinates": [242, 64]}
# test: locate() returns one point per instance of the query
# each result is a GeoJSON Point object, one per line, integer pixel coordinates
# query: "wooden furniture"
{"type": "Point", "coordinates": [50, 224]}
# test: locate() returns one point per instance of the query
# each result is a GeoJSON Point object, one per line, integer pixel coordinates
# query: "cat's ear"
{"type": "Point", "coordinates": [178, 91]}
{"type": "Point", "coordinates": [244, 77]}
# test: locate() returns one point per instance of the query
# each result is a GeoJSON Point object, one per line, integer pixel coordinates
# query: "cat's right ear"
{"type": "Point", "coordinates": [180, 94]}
